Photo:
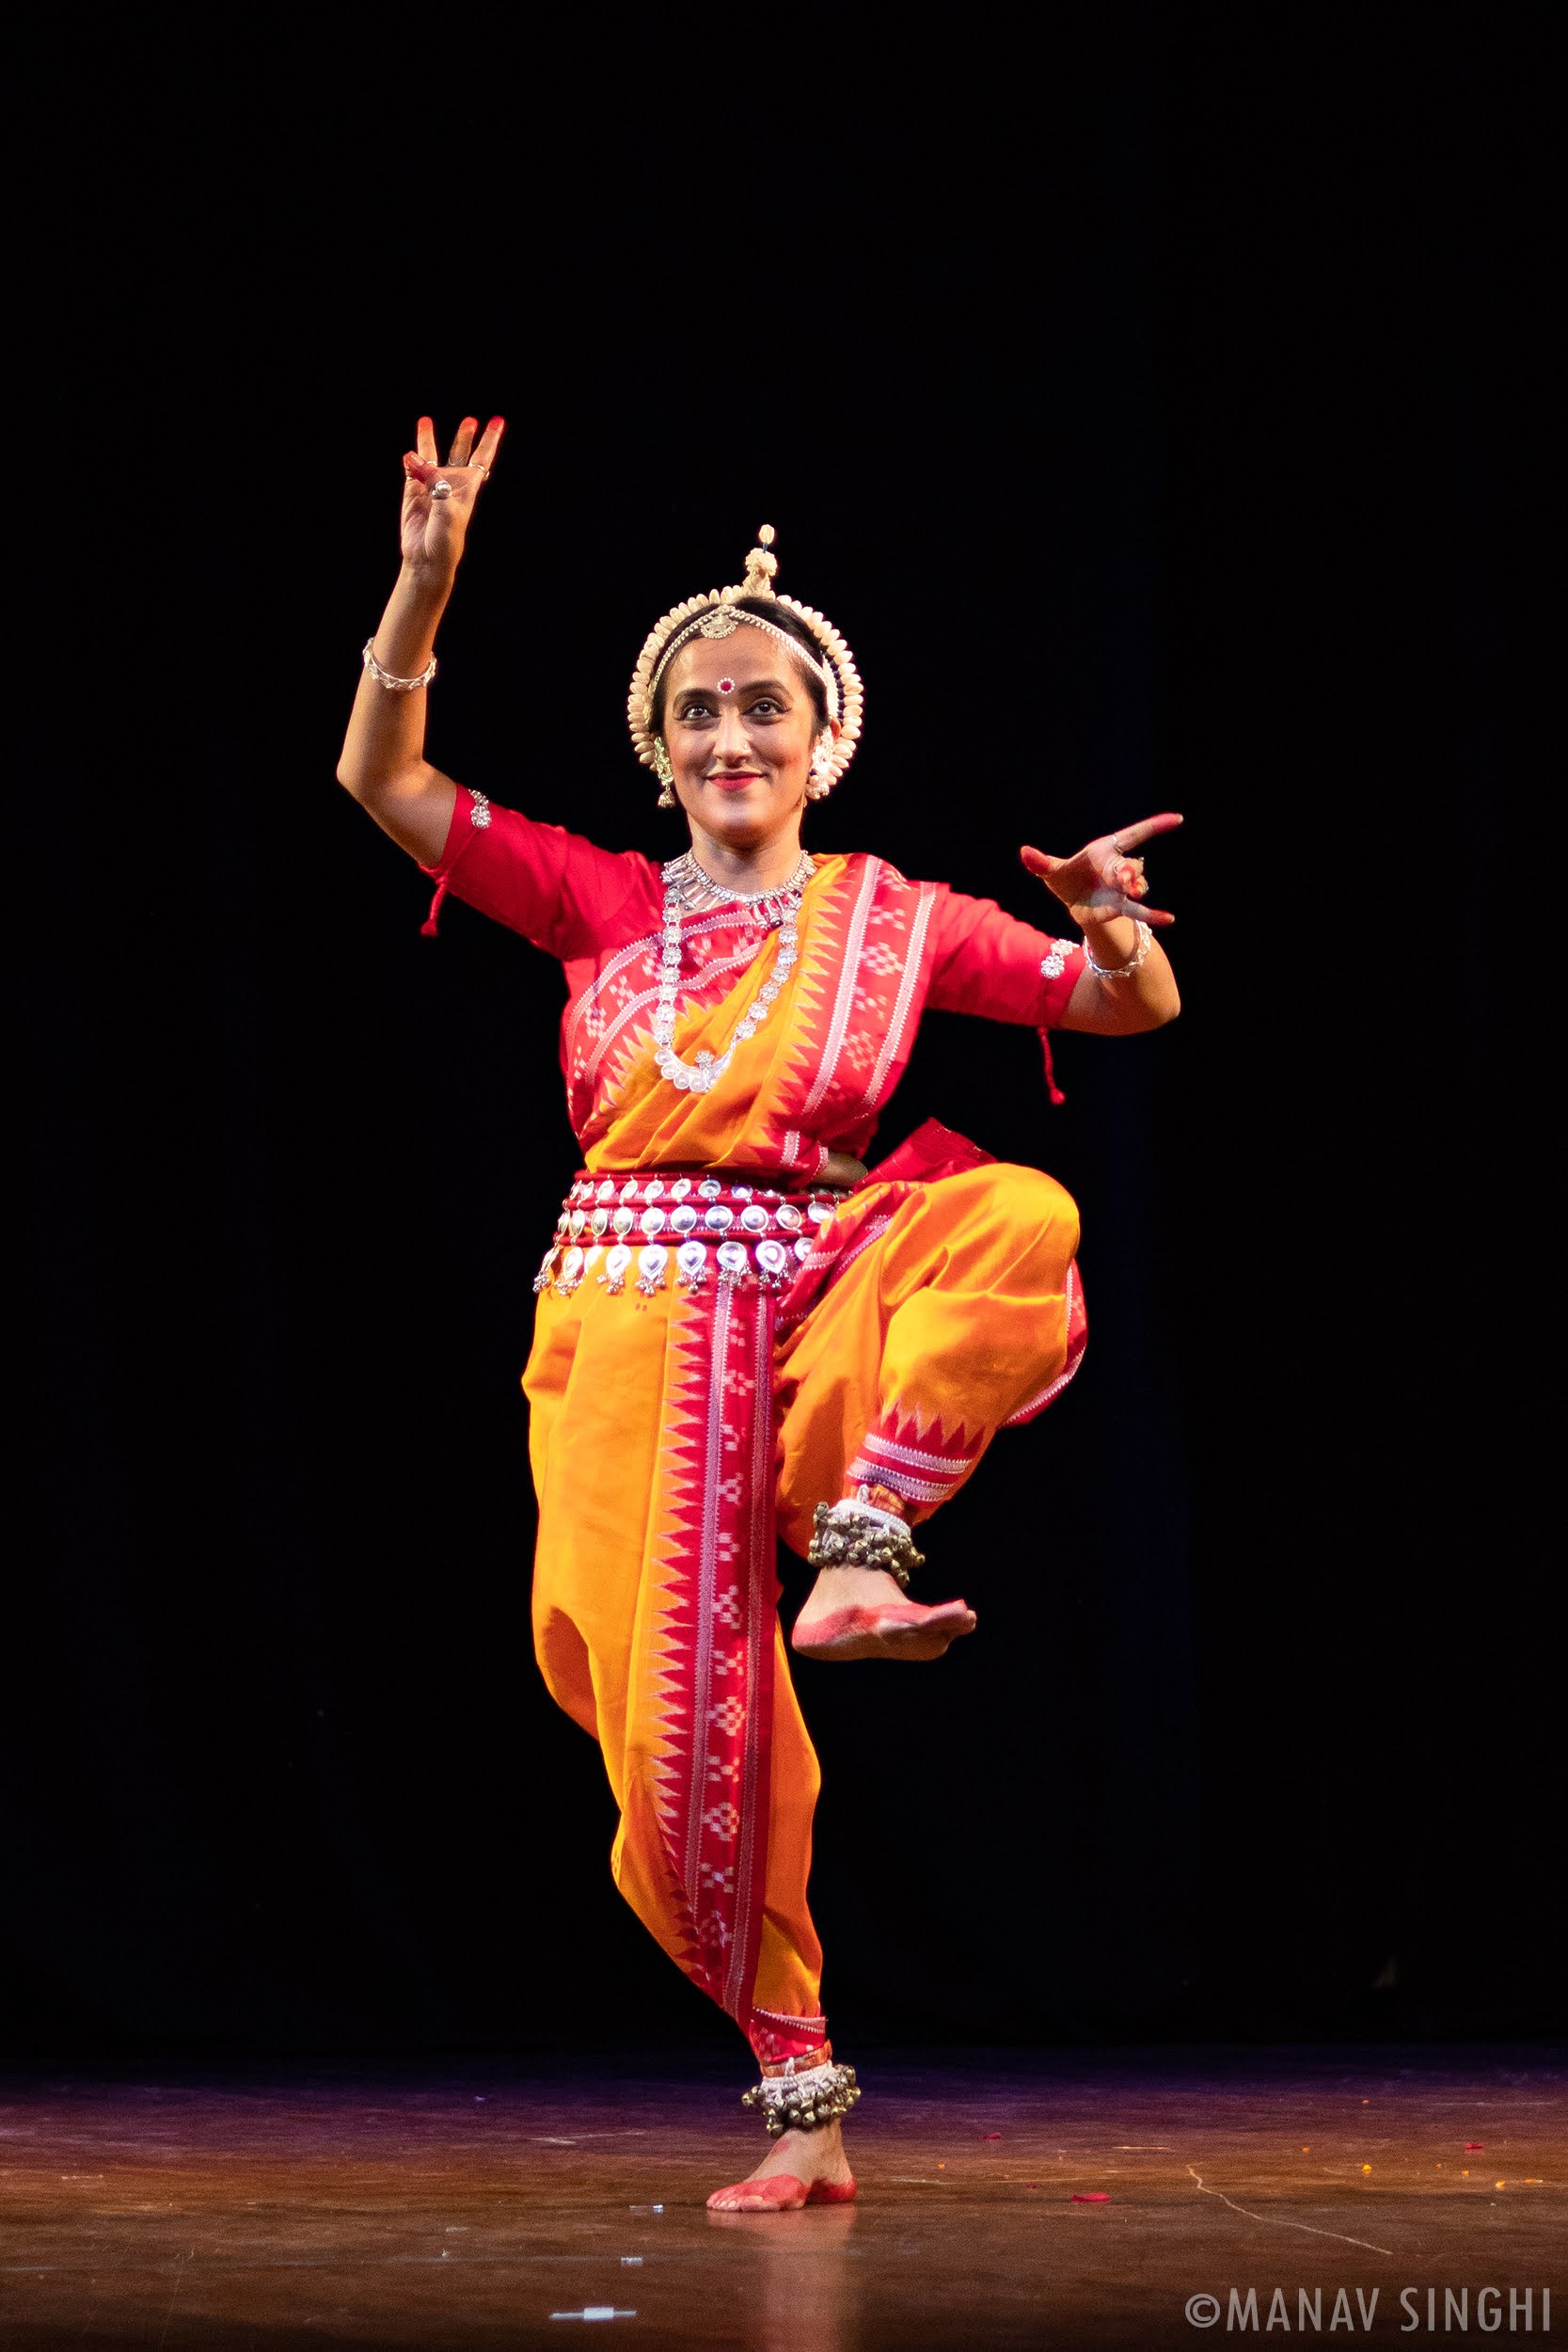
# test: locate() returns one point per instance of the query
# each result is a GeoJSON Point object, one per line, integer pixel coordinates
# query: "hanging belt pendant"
{"type": "Point", "coordinates": [691, 1263]}
{"type": "Point", "coordinates": [733, 1262]}
{"type": "Point", "coordinates": [773, 1265]}
{"type": "Point", "coordinates": [614, 1274]}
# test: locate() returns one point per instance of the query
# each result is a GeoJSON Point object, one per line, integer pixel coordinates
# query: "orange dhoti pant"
{"type": "Point", "coordinates": [672, 1437]}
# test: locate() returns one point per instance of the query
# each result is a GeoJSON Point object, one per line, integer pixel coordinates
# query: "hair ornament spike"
{"type": "Point", "coordinates": [761, 565]}
{"type": "Point", "coordinates": [716, 615]}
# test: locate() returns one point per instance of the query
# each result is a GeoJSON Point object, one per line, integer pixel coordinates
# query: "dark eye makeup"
{"type": "Point", "coordinates": [702, 704]}
{"type": "Point", "coordinates": [700, 708]}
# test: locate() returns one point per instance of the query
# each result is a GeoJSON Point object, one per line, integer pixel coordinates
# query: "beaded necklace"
{"type": "Point", "coordinates": [687, 889]}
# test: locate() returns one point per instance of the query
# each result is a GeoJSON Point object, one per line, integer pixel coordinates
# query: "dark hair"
{"type": "Point", "coordinates": [780, 617]}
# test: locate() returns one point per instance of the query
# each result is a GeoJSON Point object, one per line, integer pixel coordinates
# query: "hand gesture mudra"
{"type": "Point", "coordinates": [1104, 880]}
{"type": "Point", "coordinates": [437, 500]}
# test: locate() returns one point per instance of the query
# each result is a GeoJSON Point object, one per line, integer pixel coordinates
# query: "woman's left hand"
{"type": "Point", "coordinates": [1103, 881]}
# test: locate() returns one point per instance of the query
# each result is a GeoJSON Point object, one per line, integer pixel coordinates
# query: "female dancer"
{"type": "Point", "coordinates": [740, 1334]}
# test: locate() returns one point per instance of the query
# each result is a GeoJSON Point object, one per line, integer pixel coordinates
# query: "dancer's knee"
{"type": "Point", "coordinates": [1038, 1215]}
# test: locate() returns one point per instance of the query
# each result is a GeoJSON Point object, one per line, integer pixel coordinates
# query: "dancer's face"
{"type": "Point", "coordinates": [740, 725]}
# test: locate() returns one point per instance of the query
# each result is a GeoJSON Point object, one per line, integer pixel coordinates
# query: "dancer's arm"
{"type": "Point", "coordinates": [383, 762]}
{"type": "Point", "coordinates": [1102, 888]}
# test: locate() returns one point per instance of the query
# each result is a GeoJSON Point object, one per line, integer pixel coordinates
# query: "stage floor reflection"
{"type": "Point", "coordinates": [1027, 2199]}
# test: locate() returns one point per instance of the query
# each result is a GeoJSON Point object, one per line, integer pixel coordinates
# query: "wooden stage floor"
{"type": "Point", "coordinates": [1032, 2199]}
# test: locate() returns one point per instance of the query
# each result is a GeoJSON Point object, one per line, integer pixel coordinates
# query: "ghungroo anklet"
{"type": "Point", "coordinates": [803, 2103]}
{"type": "Point", "coordinates": [855, 1535]}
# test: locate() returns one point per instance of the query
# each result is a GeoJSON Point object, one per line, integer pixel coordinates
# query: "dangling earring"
{"type": "Point", "coordinates": [666, 775]}
{"type": "Point", "coordinates": [821, 779]}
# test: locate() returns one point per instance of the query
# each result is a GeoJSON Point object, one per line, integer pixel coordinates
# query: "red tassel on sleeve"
{"type": "Point", "coordinates": [428, 928]}
{"type": "Point", "coordinates": [1051, 1086]}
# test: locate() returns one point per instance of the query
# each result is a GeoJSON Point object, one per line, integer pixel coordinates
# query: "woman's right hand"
{"type": "Point", "coordinates": [434, 529]}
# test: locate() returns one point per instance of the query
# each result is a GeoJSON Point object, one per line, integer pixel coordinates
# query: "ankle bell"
{"type": "Point", "coordinates": [803, 2103]}
{"type": "Point", "coordinates": [856, 1535]}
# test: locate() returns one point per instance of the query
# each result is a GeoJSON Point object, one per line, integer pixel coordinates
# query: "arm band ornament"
{"type": "Point", "coordinates": [803, 2103]}
{"type": "Point", "coordinates": [1120, 970]}
{"type": "Point", "coordinates": [856, 1535]}
{"type": "Point", "coordinates": [384, 678]}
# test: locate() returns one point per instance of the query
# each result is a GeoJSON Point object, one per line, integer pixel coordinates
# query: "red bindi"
{"type": "Point", "coordinates": [727, 686]}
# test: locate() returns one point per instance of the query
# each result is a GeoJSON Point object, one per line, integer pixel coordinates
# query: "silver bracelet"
{"type": "Point", "coordinates": [1120, 971]}
{"type": "Point", "coordinates": [384, 678]}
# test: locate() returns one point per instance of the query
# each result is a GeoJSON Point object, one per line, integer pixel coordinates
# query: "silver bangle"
{"type": "Point", "coordinates": [384, 678]}
{"type": "Point", "coordinates": [1120, 970]}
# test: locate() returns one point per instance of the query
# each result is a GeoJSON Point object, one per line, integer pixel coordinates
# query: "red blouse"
{"type": "Point", "coordinates": [921, 946]}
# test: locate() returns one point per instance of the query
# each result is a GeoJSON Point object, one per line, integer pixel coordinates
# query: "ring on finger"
{"type": "Point", "coordinates": [440, 488]}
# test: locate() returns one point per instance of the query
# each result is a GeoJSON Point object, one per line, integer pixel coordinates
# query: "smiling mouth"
{"type": "Point", "coordinates": [737, 775]}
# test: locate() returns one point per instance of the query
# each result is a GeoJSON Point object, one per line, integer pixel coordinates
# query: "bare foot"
{"type": "Point", "coordinates": [861, 1613]}
{"type": "Point", "coordinates": [799, 2169]}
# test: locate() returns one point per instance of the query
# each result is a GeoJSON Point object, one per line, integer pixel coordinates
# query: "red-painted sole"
{"type": "Point", "coordinates": [782, 2193]}
{"type": "Point", "coordinates": [896, 1630]}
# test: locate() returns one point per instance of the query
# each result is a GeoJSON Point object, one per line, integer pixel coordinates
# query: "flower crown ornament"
{"type": "Point", "coordinates": [719, 614]}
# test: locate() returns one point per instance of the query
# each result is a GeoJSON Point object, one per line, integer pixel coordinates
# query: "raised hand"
{"type": "Point", "coordinates": [435, 518]}
{"type": "Point", "coordinates": [1103, 881]}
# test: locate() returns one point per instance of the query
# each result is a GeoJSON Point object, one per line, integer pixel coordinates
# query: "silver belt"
{"type": "Point", "coordinates": [688, 1228]}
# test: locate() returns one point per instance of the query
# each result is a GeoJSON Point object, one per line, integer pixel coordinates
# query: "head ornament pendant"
{"type": "Point", "coordinates": [720, 614]}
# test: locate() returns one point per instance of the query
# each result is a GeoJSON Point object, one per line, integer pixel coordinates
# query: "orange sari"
{"type": "Point", "coordinates": [676, 1430]}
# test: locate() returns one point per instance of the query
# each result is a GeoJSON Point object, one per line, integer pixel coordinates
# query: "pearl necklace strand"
{"type": "Point", "coordinates": [687, 887]}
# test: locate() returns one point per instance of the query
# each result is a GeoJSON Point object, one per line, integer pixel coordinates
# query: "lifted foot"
{"type": "Point", "coordinates": [861, 1613]}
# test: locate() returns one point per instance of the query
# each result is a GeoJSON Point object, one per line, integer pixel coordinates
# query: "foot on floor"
{"type": "Point", "coordinates": [799, 2169]}
{"type": "Point", "coordinates": [781, 2192]}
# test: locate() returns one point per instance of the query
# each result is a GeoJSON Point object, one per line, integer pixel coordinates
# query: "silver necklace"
{"type": "Point", "coordinates": [686, 885]}
{"type": "Point", "coordinates": [699, 891]}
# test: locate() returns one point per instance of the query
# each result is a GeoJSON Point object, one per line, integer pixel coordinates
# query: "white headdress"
{"type": "Point", "coordinates": [719, 614]}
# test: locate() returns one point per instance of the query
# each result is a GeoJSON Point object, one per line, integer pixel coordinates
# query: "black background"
{"type": "Point", "coordinates": [1158, 410]}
